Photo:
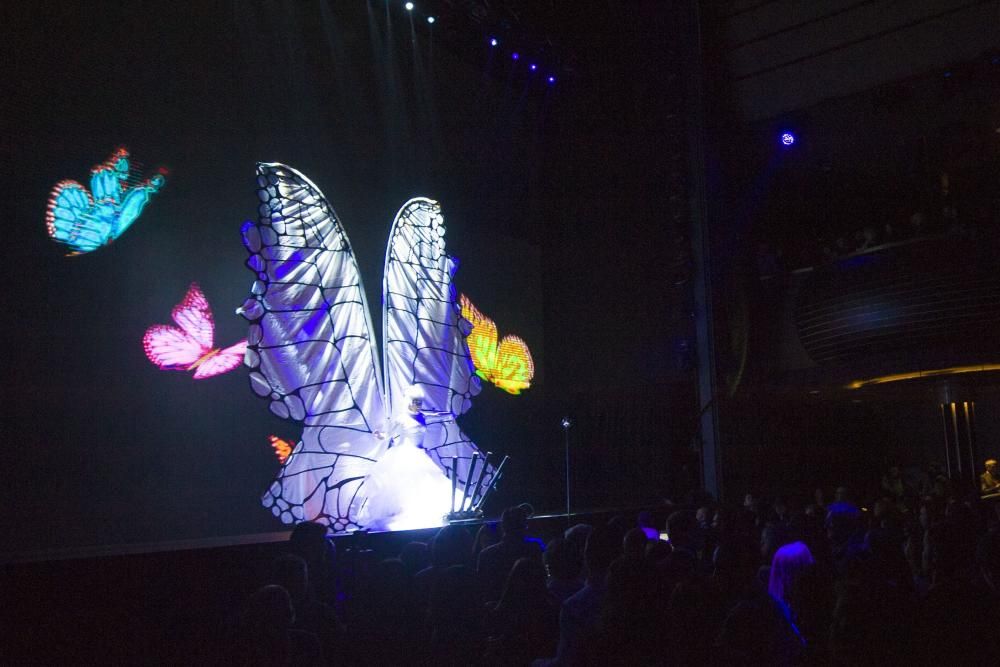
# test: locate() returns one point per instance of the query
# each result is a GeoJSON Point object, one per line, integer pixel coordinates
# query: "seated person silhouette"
{"type": "Point", "coordinates": [989, 481]}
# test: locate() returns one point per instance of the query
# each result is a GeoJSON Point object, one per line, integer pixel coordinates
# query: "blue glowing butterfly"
{"type": "Point", "coordinates": [84, 220]}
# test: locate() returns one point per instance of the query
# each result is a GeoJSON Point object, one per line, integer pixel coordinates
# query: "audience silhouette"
{"type": "Point", "coordinates": [912, 579]}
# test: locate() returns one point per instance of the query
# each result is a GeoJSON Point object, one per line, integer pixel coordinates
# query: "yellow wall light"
{"type": "Point", "coordinates": [898, 377]}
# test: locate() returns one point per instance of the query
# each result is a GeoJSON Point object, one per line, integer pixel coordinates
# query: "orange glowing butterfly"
{"type": "Point", "coordinates": [282, 448]}
{"type": "Point", "coordinates": [508, 364]}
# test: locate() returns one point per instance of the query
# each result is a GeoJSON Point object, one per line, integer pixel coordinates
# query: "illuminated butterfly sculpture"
{"type": "Point", "coordinates": [190, 345]}
{"type": "Point", "coordinates": [86, 220]}
{"type": "Point", "coordinates": [508, 365]}
{"type": "Point", "coordinates": [313, 356]}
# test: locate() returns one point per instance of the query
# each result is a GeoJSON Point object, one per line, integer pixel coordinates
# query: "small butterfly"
{"type": "Point", "coordinates": [190, 347]}
{"type": "Point", "coordinates": [282, 448]}
{"type": "Point", "coordinates": [508, 365]}
{"type": "Point", "coordinates": [86, 220]}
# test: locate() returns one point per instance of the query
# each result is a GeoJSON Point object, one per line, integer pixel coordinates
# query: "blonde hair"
{"type": "Point", "coordinates": [414, 392]}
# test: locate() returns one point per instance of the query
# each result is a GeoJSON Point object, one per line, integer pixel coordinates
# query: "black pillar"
{"type": "Point", "coordinates": [711, 460]}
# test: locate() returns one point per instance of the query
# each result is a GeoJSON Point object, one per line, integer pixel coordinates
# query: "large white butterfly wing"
{"type": "Point", "coordinates": [424, 332]}
{"type": "Point", "coordinates": [310, 350]}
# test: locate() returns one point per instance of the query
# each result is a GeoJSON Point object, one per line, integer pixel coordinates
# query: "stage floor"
{"type": "Point", "coordinates": [537, 521]}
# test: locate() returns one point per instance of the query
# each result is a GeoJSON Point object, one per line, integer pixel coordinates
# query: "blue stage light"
{"type": "Point", "coordinates": [409, 6]}
{"type": "Point", "coordinates": [787, 138]}
{"type": "Point", "coordinates": [551, 80]}
{"type": "Point", "coordinates": [431, 19]}
{"type": "Point", "coordinates": [532, 67]}
{"type": "Point", "coordinates": [494, 41]}
{"type": "Point", "coordinates": [515, 55]}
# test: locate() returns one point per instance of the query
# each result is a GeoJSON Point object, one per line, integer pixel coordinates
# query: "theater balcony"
{"type": "Point", "coordinates": [924, 305]}
{"type": "Point", "coordinates": [892, 348]}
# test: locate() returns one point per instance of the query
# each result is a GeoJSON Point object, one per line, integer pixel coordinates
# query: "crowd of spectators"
{"type": "Point", "coordinates": [902, 579]}
{"type": "Point", "coordinates": [935, 215]}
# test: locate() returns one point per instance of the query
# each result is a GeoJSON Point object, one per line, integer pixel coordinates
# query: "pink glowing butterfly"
{"type": "Point", "coordinates": [189, 346]}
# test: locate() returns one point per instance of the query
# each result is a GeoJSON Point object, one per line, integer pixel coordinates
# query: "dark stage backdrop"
{"type": "Point", "coordinates": [102, 447]}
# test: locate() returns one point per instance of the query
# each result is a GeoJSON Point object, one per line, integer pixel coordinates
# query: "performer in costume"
{"type": "Point", "coordinates": [405, 488]}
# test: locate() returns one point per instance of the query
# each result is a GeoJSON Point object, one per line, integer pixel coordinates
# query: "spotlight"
{"type": "Point", "coordinates": [431, 19]}
{"type": "Point", "coordinates": [787, 138]}
{"type": "Point", "coordinates": [494, 41]}
{"type": "Point", "coordinates": [532, 67]}
{"type": "Point", "coordinates": [409, 6]}
{"type": "Point", "coordinates": [515, 56]}
{"type": "Point", "coordinates": [551, 80]}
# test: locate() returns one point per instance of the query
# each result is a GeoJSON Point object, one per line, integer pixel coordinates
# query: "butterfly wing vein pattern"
{"type": "Point", "coordinates": [310, 350]}
{"type": "Point", "coordinates": [425, 332]}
